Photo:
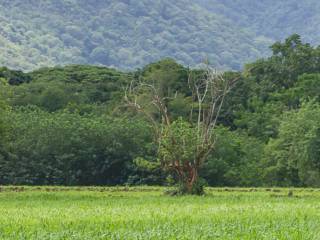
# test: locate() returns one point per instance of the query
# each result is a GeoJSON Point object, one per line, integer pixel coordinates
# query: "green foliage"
{"type": "Point", "coordinates": [305, 88]}
{"type": "Point", "coordinates": [272, 86]}
{"type": "Point", "coordinates": [147, 171]}
{"type": "Point", "coordinates": [178, 151]}
{"type": "Point", "coordinates": [270, 18]}
{"type": "Point", "coordinates": [71, 149]}
{"type": "Point", "coordinates": [56, 88]}
{"type": "Point", "coordinates": [290, 59]}
{"type": "Point", "coordinates": [14, 77]}
{"type": "Point", "coordinates": [68, 125]}
{"type": "Point", "coordinates": [178, 143]}
{"type": "Point", "coordinates": [4, 109]}
{"type": "Point", "coordinates": [130, 34]}
{"type": "Point", "coordinates": [125, 34]}
{"type": "Point", "coordinates": [234, 161]}
{"type": "Point", "coordinates": [260, 119]}
{"type": "Point", "coordinates": [197, 188]}
{"type": "Point", "coordinates": [293, 157]}
{"type": "Point", "coordinates": [167, 76]}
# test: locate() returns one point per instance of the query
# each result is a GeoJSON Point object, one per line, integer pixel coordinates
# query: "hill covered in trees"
{"type": "Point", "coordinates": [129, 34]}
{"type": "Point", "coordinates": [68, 125]}
{"type": "Point", "coordinates": [273, 19]}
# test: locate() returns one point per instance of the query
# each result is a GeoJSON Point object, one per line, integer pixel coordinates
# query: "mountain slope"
{"type": "Point", "coordinates": [275, 19]}
{"type": "Point", "coordinates": [131, 33]}
{"type": "Point", "coordinates": [125, 34]}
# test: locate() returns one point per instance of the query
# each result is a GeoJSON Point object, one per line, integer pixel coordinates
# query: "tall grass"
{"type": "Point", "coordinates": [145, 213]}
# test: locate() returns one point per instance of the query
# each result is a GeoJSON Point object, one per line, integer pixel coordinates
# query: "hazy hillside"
{"type": "Point", "coordinates": [276, 19]}
{"type": "Point", "coordinates": [131, 33]}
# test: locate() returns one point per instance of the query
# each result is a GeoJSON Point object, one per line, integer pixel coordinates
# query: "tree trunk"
{"type": "Point", "coordinates": [191, 179]}
{"type": "Point", "coordinates": [187, 177]}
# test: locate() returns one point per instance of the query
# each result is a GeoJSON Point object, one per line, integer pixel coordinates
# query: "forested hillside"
{"type": "Point", "coordinates": [125, 34]}
{"type": "Point", "coordinates": [129, 34]}
{"type": "Point", "coordinates": [69, 125]}
{"type": "Point", "coordinates": [275, 19]}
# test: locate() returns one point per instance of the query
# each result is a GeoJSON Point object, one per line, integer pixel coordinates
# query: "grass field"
{"type": "Point", "coordinates": [145, 213]}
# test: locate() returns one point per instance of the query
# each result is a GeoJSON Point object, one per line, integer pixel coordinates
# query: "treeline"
{"type": "Point", "coordinates": [69, 125]}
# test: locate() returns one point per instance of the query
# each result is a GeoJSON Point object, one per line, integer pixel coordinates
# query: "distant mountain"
{"type": "Point", "coordinates": [131, 33]}
{"type": "Point", "coordinates": [275, 19]}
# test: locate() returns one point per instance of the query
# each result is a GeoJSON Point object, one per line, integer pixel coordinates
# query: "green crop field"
{"type": "Point", "coordinates": [146, 213]}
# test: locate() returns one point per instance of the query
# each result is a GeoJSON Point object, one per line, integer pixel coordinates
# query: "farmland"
{"type": "Point", "coordinates": [146, 213]}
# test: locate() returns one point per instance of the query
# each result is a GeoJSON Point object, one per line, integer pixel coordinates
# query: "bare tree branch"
{"type": "Point", "coordinates": [209, 89]}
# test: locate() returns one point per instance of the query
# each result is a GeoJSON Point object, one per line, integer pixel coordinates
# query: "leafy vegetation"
{"type": "Point", "coordinates": [173, 126]}
{"type": "Point", "coordinates": [69, 149]}
{"type": "Point", "coordinates": [184, 143]}
{"type": "Point", "coordinates": [128, 34]}
{"type": "Point", "coordinates": [125, 34]}
{"type": "Point", "coordinates": [71, 125]}
{"type": "Point", "coordinates": [294, 154]}
{"type": "Point", "coordinates": [270, 18]}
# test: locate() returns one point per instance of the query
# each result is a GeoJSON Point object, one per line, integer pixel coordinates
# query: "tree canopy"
{"type": "Point", "coordinates": [68, 125]}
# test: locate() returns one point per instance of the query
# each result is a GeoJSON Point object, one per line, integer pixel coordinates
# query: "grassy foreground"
{"type": "Point", "coordinates": [145, 213]}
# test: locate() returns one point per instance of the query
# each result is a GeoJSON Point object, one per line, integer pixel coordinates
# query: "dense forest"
{"type": "Point", "coordinates": [67, 125]}
{"type": "Point", "coordinates": [128, 34]}
{"type": "Point", "coordinates": [272, 19]}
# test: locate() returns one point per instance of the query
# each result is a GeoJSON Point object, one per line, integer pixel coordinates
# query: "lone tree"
{"type": "Point", "coordinates": [184, 143]}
